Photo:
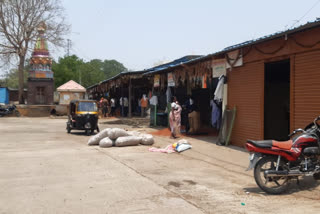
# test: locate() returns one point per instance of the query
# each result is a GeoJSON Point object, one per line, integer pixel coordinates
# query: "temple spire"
{"type": "Point", "coordinates": [41, 62]}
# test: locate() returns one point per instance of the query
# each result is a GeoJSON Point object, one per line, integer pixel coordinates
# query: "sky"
{"type": "Point", "coordinates": [142, 33]}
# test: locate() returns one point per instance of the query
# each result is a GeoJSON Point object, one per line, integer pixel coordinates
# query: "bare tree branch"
{"type": "Point", "coordinates": [19, 20]}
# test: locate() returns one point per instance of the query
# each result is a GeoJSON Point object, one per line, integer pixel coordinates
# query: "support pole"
{"type": "Point", "coordinates": [129, 114]}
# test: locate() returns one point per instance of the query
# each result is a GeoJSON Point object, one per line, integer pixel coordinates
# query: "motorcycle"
{"type": "Point", "coordinates": [9, 110]}
{"type": "Point", "coordinates": [275, 163]}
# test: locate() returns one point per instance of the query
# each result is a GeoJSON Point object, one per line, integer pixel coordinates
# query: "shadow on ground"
{"type": "Point", "coordinates": [307, 183]}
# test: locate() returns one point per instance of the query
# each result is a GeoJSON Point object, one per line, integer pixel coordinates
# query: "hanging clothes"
{"type": "Point", "coordinates": [204, 81]}
{"type": "Point", "coordinates": [218, 94]}
{"type": "Point", "coordinates": [215, 115]}
{"type": "Point", "coordinates": [154, 100]}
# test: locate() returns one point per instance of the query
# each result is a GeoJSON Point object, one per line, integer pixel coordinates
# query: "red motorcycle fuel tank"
{"type": "Point", "coordinates": [305, 140]}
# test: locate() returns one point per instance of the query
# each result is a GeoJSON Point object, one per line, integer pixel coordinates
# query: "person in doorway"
{"type": "Point", "coordinates": [105, 104]}
{"type": "Point", "coordinates": [144, 105]}
{"type": "Point", "coordinates": [189, 107]}
{"type": "Point", "coordinates": [125, 106]}
{"type": "Point", "coordinates": [113, 106]}
{"type": "Point", "coordinates": [121, 106]}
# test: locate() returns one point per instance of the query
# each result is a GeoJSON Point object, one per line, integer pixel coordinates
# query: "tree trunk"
{"type": "Point", "coordinates": [21, 79]}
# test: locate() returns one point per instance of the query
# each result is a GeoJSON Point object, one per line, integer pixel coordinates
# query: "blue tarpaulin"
{"type": "Point", "coordinates": [4, 95]}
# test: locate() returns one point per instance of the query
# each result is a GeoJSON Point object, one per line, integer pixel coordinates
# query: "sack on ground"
{"type": "Point", "coordinates": [128, 141]}
{"type": "Point", "coordinates": [133, 133]}
{"type": "Point", "coordinates": [94, 140]}
{"type": "Point", "coordinates": [114, 133]}
{"type": "Point", "coordinates": [105, 142]}
{"type": "Point", "coordinates": [147, 139]}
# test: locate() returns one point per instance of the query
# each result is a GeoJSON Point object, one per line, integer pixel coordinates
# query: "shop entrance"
{"type": "Point", "coordinates": [277, 100]}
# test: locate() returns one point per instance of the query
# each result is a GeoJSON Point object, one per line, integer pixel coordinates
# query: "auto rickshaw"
{"type": "Point", "coordinates": [83, 115]}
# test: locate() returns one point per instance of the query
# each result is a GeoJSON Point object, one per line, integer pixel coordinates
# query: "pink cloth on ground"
{"type": "Point", "coordinates": [167, 149]}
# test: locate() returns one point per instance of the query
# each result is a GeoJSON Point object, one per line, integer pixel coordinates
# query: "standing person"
{"type": "Point", "coordinates": [113, 106]}
{"type": "Point", "coordinates": [105, 104]}
{"type": "Point", "coordinates": [189, 108]}
{"type": "Point", "coordinates": [139, 105]}
{"type": "Point", "coordinates": [121, 106]}
{"type": "Point", "coordinates": [172, 120]}
{"type": "Point", "coordinates": [100, 106]}
{"type": "Point", "coordinates": [177, 116]}
{"type": "Point", "coordinates": [125, 106]}
{"type": "Point", "coordinates": [144, 104]}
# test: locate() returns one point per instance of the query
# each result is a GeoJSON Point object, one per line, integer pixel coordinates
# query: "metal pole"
{"type": "Point", "coordinates": [129, 97]}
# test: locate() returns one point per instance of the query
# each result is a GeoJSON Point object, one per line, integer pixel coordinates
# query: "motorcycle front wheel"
{"type": "Point", "coordinates": [271, 185]}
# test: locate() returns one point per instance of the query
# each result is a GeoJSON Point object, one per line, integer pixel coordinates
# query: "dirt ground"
{"type": "Point", "coordinates": [45, 170]}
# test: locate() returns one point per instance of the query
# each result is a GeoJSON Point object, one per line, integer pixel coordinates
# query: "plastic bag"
{"type": "Point", "coordinates": [128, 141]}
{"type": "Point", "coordinates": [94, 140]}
{"type": "Point", "coordinates": [182, 145]}
{"type": "Point", "coordinates": [105, 143]}
{"type": "Point", "coordinates": [114, 133]}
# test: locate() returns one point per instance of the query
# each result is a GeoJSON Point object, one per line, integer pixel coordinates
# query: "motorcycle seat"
{"type": "Point", "coordinates": [282, 144]}
{"type": "Point", "coordinates": [261, 143]}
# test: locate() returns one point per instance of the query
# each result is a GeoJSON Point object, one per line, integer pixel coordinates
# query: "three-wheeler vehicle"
{"type": "Point", "coordinates": [83, 115]}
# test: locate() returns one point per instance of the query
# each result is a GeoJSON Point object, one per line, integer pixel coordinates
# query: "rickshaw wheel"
{"type": "Point", "coordinates": [88, 132]}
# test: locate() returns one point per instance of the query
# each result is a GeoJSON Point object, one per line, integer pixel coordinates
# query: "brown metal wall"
{"type": "Point", "coordinates": [306, 88]}
{"type": "Point", "coordinates": [245, 91]}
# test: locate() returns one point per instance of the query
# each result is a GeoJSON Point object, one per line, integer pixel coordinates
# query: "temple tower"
{"type": "Point", "coordinates": [40, 79]}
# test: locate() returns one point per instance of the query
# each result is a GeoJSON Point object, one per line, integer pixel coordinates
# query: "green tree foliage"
{"type": "Point", "coordinates": [85, 73]}
{"type": "Point", "coordinates": [112, 68]}
{"type": "Point", "coordinates": [11, 79]}
{"type": "Point", "coordinates": [67, 68]}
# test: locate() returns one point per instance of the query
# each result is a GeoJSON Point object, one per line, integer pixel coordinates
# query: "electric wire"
{"type": "Point", "coordinates": [314, 5]}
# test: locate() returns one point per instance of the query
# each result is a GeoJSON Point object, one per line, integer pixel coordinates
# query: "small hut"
{"type": "Point", "coordinates": [70, 91]}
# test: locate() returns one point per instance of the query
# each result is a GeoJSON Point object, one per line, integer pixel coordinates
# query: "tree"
{"type": "Point", "coordinates": [19, 20]}
{"type": "Point", "coordinates": [85, 73]}
{"type": "Point", "coordinates": [11, 79]}
{"type": "Point", "coordinates": [67, 68]}
{"type": "Point", "coordinates": [112, 68]}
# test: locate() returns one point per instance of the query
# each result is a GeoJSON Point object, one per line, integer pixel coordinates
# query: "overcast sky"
{"type": "Point", "coordinates": [140, 33]}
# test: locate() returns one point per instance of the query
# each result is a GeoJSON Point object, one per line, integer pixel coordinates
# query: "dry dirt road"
{"type": "Point", "coordinates": [45, 170]}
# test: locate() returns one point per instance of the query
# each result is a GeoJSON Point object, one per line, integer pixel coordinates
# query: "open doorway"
{"type": "Point", "coordinates": [277, 100]}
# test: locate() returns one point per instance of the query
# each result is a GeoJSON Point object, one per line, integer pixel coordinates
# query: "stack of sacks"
{"type": "Point", "coordinates": [120, 137]}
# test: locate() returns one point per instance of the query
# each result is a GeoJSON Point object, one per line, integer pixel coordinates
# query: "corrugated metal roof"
{"type": "Point", "coordinates": [195, 58]}
{"type": "Point", "coordinates": [303, 27]}
{"type": "Point", "coordinates": [172, 64]}
{"type": "Point", "coordinates": [117, 76]}
{"type": "Point", "coordinates": [308, 25]}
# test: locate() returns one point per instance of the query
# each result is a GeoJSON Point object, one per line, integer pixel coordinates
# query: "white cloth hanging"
{"type": "Point", "coordinates": [154, 100]}
{"type": "Point", "coordinates": [218, 94]}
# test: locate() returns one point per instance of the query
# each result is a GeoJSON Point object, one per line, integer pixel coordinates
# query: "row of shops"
{"type": "Point", "coordinates": [272, 81]}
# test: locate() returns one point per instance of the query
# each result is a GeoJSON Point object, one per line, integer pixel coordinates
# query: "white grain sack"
{"type": "Point", "coordinates": [133, 133]}
{"type": "Point", "coordinates": [114, 133]}
{"type": "Point", "coordinates": [147, 139]}
{"type": "Point", "coordinates": [94, 140]}
{"type": "Point", "coordinates": [128, 141]}
{"type": "Point", "coordinates": [105, 142]}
